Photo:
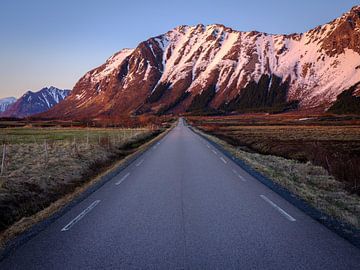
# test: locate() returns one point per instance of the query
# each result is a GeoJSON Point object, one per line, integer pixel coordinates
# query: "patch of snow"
{"type": "Point", "coordinates": [111, 64]}
{"type": "Point", "coordinates": [6, 102]}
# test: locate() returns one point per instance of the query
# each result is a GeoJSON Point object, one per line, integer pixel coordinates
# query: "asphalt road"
{"type": "Point", "coordinates": [183, 205]}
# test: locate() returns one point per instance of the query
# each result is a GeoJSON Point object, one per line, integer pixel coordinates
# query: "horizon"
{"type": "Point", "coordinates": [46, 51]}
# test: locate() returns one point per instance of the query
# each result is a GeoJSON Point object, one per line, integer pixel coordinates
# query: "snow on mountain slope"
{"type": "Point", "coordinates": [6, 102]}
{"type": "Point", "coordinates": [36, 102]}
{"type": "Point", "coordinates": [168, 73]}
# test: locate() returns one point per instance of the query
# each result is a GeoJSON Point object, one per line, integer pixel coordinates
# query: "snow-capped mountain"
{"type": "Point", "coordinates": [36, 102]}
{"type": "Point", "coordinates": [6, 102]}
{"type": "Point", "coordinates": [214, 67]}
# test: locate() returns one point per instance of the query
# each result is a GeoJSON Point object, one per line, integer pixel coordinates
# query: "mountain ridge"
{"type": "Point", "coordinates": [31, 103]}
{"type": "Point", "coordinates": [6, 102]}
{"type": "Point", "coordinates": [166, 73]}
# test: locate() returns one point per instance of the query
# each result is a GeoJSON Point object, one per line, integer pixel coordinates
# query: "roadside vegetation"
{"type": "Point", "coordinates": [318, 160]}
{"type": "Point", "coordinates": [42, 165]}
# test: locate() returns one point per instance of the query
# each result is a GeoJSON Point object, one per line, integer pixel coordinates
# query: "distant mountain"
{"type": "Point", "coordinates": [5, 103]}
{"type": "Point", "coordinates": [216, 68]}
{"type": "Point", "coordinates": [35, 102]}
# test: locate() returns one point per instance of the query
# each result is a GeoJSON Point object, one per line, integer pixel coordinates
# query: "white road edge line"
{"type": "Point", "coordinates": [139, 163]}
{"type": "Point", "coordinates": [80, 216]}
{"type": "Point", "coordinates": [239, 176]}
{"type": "Point", "coordinates": [223, 160]}
{"type": "Point", "coordinates": [122, 179]}
{"type": "Point", "coordinates": [214, 152]}
{"type": "Point", "coordinates": [290, 218]}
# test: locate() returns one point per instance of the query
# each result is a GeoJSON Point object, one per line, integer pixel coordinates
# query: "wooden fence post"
{"type": "Point", "coordinates": [3, 159]}
{"type": "Point", "coordinates": [46, 152]}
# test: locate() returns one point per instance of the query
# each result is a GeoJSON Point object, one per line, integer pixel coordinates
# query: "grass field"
{"type": "Point", "coordinates": [41, 165]}
{"type": "Point", "coordinates": [333, 145]}
{"type": "Point", "coordinates": [319, 161]}
{"type": "Point", "coordinates": [39, 135]}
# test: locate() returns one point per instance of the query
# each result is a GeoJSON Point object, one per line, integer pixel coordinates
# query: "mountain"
{"type": "Point", "coordinates": [35, 102]}
{"type": "Point", "coordinates": [6, 102]}
{"type": "Point", "coordinates": [212, 68]}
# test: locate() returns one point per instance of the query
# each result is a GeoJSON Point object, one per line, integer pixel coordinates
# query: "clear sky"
{"type": "Point", "coordinates": [48, 42]}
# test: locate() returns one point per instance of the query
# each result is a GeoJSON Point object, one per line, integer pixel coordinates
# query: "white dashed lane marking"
{"type": "Point", "coordinates": [223, 160]}
{"type": "Point", "coordinates": [281, 211]}
{"type": "Point", "coordinates": [122, 179]}
{"type": "Point", "coordinates": [80, 216]}
{"type": "Point", "coordinates": [239, 176]}
{"type": "Point", "coordinates": [139, 163]}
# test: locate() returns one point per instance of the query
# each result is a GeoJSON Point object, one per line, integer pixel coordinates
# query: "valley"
{"type": "Point", "coordinates": [199, 147]}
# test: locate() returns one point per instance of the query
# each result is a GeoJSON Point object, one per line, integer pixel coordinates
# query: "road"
{"type": "Point", "coordinates": [183, 205]}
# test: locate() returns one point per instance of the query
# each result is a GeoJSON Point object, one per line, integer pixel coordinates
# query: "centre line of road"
{"type": "Point", "coordinates": [208, 146]}
{"type": "Point", "coordinates": [138, 164]}
{"type": "Point", "coordinates": [281, 211]}
{"type": "Point", "coordinates": [122, 179]}
{"type": "Point", "coordinates": [80, 216]}
{"type": "Point", "coordinates": [214, 152]}
{"type": "Point", "coordinates": [223, 160]}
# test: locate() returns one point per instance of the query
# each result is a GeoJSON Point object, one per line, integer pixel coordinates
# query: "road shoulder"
{"type": "Point", "coordinates": [343, 229]}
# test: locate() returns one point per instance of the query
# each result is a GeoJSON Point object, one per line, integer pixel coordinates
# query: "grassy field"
{"type": "Point", "coordinates": [41, 165]}
{"type": "Point", "coordinates": [39, 135]}
{"type": "Point", "coordinates": [334, 145]}
{"type": "Point", "coordinates": [317, 159]}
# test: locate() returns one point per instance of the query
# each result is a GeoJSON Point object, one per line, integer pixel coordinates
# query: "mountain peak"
{"type": "Point", "coordinates": [351, 16]}
{"type": "Point", "coordinates": [356, 9]}
{"type": "Point", "coordinates": [212, 66]}
{"type": "Point", "coordinates": [5, 103]}
{"type": "Point", "coordinates": [35, 102]}
{"type": "Point", "coordinates": [342, 33]}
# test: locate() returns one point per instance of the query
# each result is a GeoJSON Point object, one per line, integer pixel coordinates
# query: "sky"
{"type": "Point", "coordinates": [44, 42]}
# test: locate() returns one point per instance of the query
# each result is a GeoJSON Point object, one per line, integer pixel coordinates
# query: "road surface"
{"type": "Point", "coordinates": [183, 205]}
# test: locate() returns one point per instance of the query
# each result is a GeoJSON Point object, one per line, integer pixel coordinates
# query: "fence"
{"type": "Point", "coordinates": [12, 144]}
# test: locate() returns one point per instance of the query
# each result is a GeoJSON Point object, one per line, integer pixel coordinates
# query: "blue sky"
{"type": "Point", "coordinates": [44, 42]}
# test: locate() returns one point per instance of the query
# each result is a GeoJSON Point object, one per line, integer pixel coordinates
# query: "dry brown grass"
{"type": "Point", "coordinates": [309, 182]}
{"type": "Point", "coordinates": [333, 145]}
{"type": "Point", "coordinates": [32, 179]}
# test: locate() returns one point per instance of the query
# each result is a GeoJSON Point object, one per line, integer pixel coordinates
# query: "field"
{"type": "Point", "coordinates": [334, 145]}
{"type": "Point", "coordinates": [41, 165]}
{"type": "Point", "coordinates": [317, 158]}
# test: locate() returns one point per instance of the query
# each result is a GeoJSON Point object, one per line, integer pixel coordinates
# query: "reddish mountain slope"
{"type": "Point", "coordinates": [192, 68]}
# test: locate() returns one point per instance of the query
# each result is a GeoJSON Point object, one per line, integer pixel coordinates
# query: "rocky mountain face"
{"type": "Point", "coordinates": [5, 103]}
{"type": "Point", "coordinates": [216, 68]}
{"type": "Point", "coordinates": [35, 102]}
